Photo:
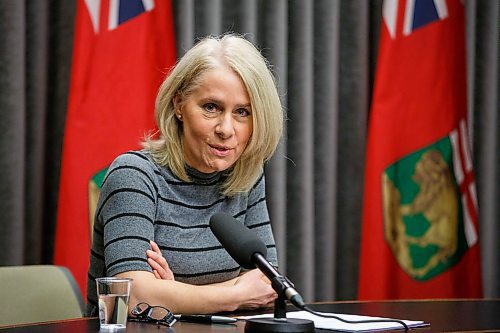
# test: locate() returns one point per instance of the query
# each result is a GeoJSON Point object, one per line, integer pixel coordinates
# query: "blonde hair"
{"type": "Point", "coordinates": [244, 59]}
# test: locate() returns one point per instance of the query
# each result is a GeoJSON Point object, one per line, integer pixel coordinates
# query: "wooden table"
{"type": "Point", "coordinates": [443, 315]}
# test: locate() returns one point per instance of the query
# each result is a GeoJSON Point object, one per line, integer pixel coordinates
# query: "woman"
{"type": "Point", "coordinates": [219, 118]}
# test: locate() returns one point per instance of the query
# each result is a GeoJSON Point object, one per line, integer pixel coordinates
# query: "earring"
{"type": "Point", "coordinates": [179, 116]}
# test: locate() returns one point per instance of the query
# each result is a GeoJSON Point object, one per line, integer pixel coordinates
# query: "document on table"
{"type": "Point", "coordinates": [337, 325]}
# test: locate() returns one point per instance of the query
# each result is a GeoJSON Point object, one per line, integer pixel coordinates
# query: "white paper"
{"type": "Point", "coordinates": [337, 325]}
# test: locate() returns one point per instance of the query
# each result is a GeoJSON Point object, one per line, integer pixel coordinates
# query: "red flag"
{"type": "Point", "coordinates": [121, 52]}
{"type": "Point", "coordinates": [420, 226]}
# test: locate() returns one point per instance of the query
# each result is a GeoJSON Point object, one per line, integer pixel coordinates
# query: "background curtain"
{"type": "Point", "coordinates": [323, 53]}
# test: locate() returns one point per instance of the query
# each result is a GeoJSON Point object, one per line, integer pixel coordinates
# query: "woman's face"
{"type": "Point", "coordinates": [217, 121]}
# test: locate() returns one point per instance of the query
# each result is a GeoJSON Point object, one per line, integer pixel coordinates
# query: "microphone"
{"type": "Point", "coordinates": [250, 252]}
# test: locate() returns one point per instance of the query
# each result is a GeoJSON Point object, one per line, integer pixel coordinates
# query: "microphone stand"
{"type": "Point", "coordinates": [280, 323]}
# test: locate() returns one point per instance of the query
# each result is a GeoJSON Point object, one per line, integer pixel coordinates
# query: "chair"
{"type": "Point", "coordinates": [38, 293]}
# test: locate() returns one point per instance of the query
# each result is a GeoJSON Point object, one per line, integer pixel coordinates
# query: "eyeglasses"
{"type": "Point", "coordinates": [153, 314]}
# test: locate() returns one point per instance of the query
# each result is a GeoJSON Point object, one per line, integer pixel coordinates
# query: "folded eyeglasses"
{"type": "Point", "coordinates": [155, 314]}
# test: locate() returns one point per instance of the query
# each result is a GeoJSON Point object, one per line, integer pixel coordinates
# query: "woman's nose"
{"type": "Point", "coordinates": [225, 127]}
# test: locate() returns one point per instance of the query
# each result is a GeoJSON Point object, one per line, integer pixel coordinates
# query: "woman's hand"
{"type": "Point", "coordinates": [252, 289]}
{"type": "Point", "coordinates": [158, 263]}
{"type": "Point", "coordinates": [256, 290]}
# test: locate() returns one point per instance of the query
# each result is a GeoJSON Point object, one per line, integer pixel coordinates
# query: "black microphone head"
{"type": "Point", "coordinates": [239, 241]}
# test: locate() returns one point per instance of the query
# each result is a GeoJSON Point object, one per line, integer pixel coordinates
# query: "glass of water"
{"type": "Point", "coordinates": [113, 294]}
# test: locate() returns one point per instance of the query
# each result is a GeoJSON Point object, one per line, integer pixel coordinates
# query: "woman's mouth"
{"type": "Point", "coordinates": [220, 151]}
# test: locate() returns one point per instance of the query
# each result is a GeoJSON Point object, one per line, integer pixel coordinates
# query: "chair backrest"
{"type": "Point", "coordinates": [38, 293]}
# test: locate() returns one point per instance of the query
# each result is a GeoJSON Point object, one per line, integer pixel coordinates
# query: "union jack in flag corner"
{"type": "Point", "coordinates": [420, 213]}
{"type": "Point", "coordinates": [121, 52]}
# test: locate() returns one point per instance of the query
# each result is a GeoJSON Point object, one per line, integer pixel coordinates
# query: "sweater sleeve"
{"type": "Point", "coordinates": [126, 213]}
{"type": "Point", "coordinates": [257, 218]}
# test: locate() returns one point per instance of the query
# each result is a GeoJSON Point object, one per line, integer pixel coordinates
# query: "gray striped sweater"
{"type": "Point", "coordinates": [141, 201]}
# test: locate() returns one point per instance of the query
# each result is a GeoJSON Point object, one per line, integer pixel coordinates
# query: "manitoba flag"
{"type": "Point", "coordinates": [420, 220]}
{"type": "Point", "coordinates": [122, 51]}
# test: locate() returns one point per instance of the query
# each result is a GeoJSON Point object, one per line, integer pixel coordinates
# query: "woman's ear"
{"type": "Point", "coordinates": [177, 103]}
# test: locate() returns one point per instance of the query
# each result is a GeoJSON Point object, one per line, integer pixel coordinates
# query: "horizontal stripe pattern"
{"type": "Point", "coordinates": [141, 201]}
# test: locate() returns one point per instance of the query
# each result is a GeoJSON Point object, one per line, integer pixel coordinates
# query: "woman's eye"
{"type": "Point", "coordinates": [243, 112]}
{"type": "Point", "coordinates": [210, 107]}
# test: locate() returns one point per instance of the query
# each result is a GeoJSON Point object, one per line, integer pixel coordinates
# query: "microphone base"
{"type": "Point", "coordinates": [273, 325]}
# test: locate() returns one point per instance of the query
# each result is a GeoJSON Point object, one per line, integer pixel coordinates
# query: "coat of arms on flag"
{"type": "Point", "coordinates": [426, 223]}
